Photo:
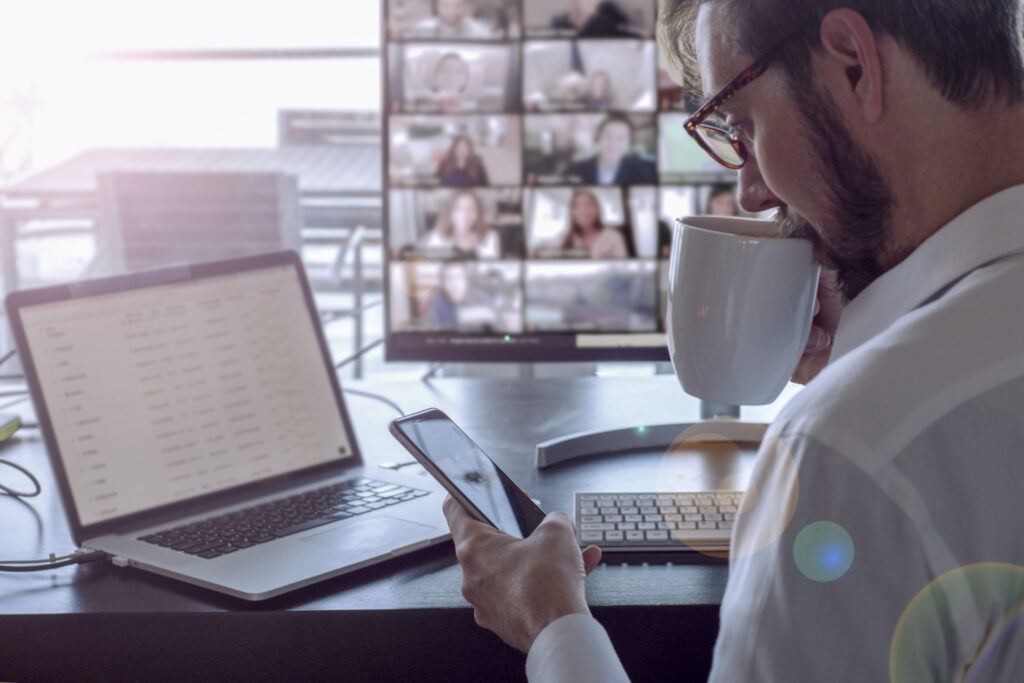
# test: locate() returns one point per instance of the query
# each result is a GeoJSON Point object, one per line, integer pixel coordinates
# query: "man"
{"type": "Point", "coordinates": [891, 134]}
{"type": "Point", "coordinates": [613, 164]}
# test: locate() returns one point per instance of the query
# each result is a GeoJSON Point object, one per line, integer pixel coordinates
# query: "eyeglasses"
{"type": "Point", "coordinates": [723, 144]}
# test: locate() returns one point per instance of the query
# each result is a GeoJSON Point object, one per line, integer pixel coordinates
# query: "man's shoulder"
{"type": "Point", "coordinates": [636, 168]}
{"type": "Point", "coordinates": [932, 360]}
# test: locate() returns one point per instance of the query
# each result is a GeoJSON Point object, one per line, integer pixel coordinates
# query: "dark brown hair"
{"type": "Point", "coordinates": [474, 169]}
{"type": "Point", "coordinates": [970, 49]}
{"type": "Point", "coordinates": [574, 229]}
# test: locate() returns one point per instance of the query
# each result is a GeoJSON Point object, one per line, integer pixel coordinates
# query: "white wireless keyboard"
{"type": "Point", "coordinates": [652, 522]}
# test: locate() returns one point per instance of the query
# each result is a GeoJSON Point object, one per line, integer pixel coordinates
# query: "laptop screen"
{"type": "Point", "coordinates": [163, 393]}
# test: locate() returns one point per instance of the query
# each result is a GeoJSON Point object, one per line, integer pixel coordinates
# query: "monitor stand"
{"type": "Point", "coordinates": [719, 422]}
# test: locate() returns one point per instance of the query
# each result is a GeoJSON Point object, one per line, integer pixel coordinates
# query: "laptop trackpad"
{"type": "Point", "coordinates": [370, 533]}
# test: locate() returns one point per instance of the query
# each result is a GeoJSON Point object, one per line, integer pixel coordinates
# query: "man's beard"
{"type": "Point", "coordinates": [859, 232]}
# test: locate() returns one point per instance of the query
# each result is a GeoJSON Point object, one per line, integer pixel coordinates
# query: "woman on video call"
{"type": "Point", "coordinates": [462, 227]}
{"type": "Point", "coordinates": [587, 231]}
{"type": "Point", "coordinates": [454, 294]}
{"type": "Point", "coordinates": [460, 166]}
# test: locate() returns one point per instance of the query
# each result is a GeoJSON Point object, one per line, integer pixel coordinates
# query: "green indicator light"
{"type": "Point", "coordinates": [508, 338]}
{"type": "Point", "coordinates": [641, 430]}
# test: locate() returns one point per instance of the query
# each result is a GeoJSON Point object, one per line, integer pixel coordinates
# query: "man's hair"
{"type": "Point", "coordinates": [970, 49]}
{"type": "Point", "coordinates": [613, 118]}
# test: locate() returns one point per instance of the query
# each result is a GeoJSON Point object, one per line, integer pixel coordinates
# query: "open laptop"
{"type": "Point", "coordinates": [196, 429]}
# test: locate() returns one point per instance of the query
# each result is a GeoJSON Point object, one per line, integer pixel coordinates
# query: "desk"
{"type": "Point", "coordinates": [68, 190]}
{"type": "Point", "coordinates": [403, 620]}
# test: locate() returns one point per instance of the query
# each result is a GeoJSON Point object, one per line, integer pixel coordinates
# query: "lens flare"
{"type": "Point", "coordinates": [978, 607]}
{"type": "Point", "coordinates": [823, 551]}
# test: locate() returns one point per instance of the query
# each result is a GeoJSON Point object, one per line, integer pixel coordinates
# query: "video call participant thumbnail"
{"type": "Point", "coordinates": [456, 151]}
{"type": "Point", "coordinates": [585, 234]}
{"type": "Point", "coordinates": [456, 296]}
{"type": "Point", "coordinates": [589, 75]}
{"type": "Point", "coordinates": [452, 19]}
{"type": "Point", "coordinates": [437, 224]}
{"type": "Point", "coordinates": [589, 149]}
{"type": "Point", "coordinates": [617, 296]}
{"type": "Point", "coordinates": [614, 163]}
{"type": "Point", "coordinates": [590, 18]}
{"type": "Point", "coordinates": [428, 77]}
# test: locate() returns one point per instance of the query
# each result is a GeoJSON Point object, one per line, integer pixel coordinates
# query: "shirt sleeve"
{"type": "Point", "coordinates": [574, 648]}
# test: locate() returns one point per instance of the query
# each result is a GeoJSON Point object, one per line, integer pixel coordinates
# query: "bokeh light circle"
{"type": "Point", "coordinates": [979, 606]}
{"type": "Point", "coordinates": [765, 518]}
{"type": "Point", "coordinates": [823, 551]}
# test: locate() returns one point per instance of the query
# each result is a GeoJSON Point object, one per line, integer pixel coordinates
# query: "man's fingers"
{"type": "Point", "coordinates": [818, 340]}
{"type": "Point", "coordinates": [591, 558]}
{"type": "Point", "coordinates": [459, 521]}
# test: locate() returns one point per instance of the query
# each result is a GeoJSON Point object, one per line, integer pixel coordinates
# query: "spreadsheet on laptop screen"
{"type": "Point", "coordinates": [163, 393]}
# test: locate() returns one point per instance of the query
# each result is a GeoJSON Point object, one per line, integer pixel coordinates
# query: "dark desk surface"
{"type": "Point", "coordinates": [403, 619]}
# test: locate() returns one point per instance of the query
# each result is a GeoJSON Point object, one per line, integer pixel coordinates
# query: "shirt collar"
{"type": "Point", "coordinates": [988, 230]}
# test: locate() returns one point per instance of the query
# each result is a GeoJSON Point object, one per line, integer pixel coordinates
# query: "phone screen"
{"type": "Point", "coordinates": [467, 468]}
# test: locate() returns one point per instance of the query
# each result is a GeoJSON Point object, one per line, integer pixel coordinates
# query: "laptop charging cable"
{"type": "Point", "coordinates": [54, 561]}
{"type": "Point", "coordinates": [80, 556]}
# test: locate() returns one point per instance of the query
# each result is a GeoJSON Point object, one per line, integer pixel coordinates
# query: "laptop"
{"type": "Point", "coordinates": [196, 429]}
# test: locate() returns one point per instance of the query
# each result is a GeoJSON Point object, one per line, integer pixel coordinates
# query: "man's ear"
{"type": "Point", "coordinates": [852, 63]}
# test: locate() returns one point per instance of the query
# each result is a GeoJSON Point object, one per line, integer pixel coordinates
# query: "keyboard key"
{"type": "Point", "coordinates": [657, 536]}
{"type": "Point", "coordinates": [613, 536]}
{"type": "Point", "coordinates": [592, 536]}
{"type": "Point", "coordinates": [311, 524]}
{"type": "Point", "coordinates": [646, 526]}
{"type": "Point", "coordinates": [627, 526]}
{"type": "Point", "coordinates": [592, 518]}
{"type": "Point", "coordinates": [634, 535]}
{"type": "Point", "coordinates": [597, 527]}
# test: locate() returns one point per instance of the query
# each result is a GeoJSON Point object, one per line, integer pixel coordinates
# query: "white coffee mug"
{"type": "Point", "coordinates": [740, 305]}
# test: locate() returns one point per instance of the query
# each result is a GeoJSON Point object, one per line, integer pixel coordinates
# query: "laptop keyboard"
{"type": "Point", "coordinates": [227, 533]}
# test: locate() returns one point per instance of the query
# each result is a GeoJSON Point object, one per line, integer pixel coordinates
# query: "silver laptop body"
{"type": "Point", "coordinates": [171, 396]}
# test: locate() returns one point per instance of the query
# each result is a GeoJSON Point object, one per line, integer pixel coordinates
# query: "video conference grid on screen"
{"type": "Point", "coordinates": [535, 161]}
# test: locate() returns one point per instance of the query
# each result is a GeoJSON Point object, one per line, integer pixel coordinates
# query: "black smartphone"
{"type": "Point", "coordinates": [466, 472]}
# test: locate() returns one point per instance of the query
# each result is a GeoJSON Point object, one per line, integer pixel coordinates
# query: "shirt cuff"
{"type": "Point", "coordinates": [574, 648]}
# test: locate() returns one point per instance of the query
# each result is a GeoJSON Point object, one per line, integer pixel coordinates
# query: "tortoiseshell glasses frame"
{"type": "Point", "coordinates": [724, 145]}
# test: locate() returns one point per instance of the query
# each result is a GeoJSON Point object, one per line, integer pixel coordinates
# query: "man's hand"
{"type": "Point", "coordinates": [826, 319]}
{"type": "Point", "coordinates": [518, 587]}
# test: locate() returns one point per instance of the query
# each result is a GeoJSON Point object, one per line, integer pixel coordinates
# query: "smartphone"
{"type": "Point", "coordinates": [466, 472]}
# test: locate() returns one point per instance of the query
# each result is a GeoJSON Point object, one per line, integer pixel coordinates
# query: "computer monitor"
{"type": "Point", "coordinates": [534, 162]}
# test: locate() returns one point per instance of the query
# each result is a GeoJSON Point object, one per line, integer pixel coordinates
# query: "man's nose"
{"type": "Point", "coordinates": [754, 195]}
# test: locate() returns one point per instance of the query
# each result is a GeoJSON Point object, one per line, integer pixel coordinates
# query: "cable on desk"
{"type": "Point", "coordinates": [54, 561]}
{"type": "Point", "coordinates": [366, 349]}
{"type": "Point", "coordinates": [8, 491]}
{"type": "Point", "coordinates": [376, 397]}
{"type": "Point", "coordinates": [20, 399]}
{"type": "Point", "coordinates": [7, 356]}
